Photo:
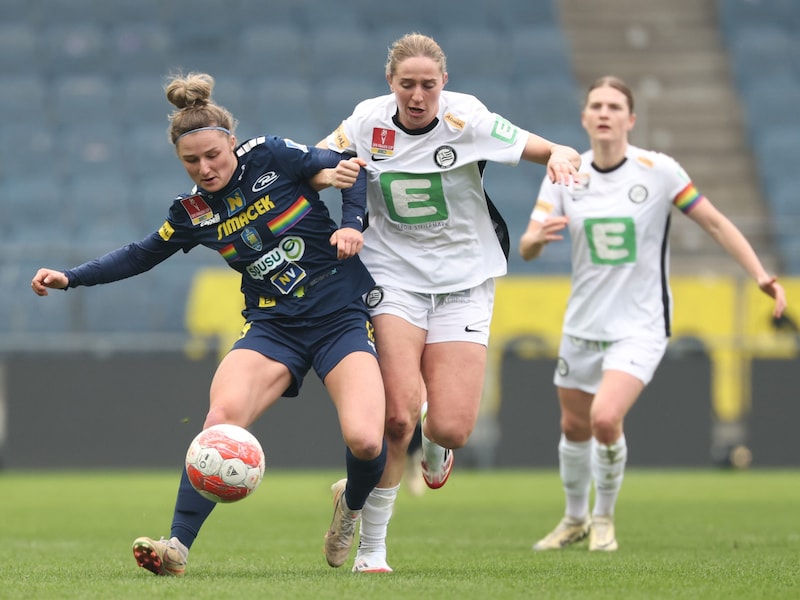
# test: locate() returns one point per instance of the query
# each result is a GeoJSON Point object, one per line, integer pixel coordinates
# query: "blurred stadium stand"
{"type": "Point", "coordinates": [85, 164]}
{"type": "Point", "coordinates": [763, 40]}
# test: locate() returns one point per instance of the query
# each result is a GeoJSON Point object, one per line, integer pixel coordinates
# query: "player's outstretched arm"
{"type": "Point", "coordinates": [733, 241]}
{"type": "Point", "coordinates": [562, 162]}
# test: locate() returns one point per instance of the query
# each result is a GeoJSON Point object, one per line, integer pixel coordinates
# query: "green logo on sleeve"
{"type": "Point", "coordinates": [504, 131]}
{"type": "Point", "coordinates": [612, 241]}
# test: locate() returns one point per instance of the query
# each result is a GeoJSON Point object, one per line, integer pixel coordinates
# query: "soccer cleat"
{"type": "Point", "coordinates": [602, 537]}
{"type": "Point", "coordinates": [162, 557]}
{"type": "Point", "coordinates": [568, 531]}
{"type": "Point", "coordinates": [435, 476]}
{"type": "Point", "coordinates": [339, 538]}
{"type": "Point", "coordinates": [371, 562]}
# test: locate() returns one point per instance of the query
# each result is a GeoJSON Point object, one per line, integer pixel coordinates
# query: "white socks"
{"type": "Point", "coordinates": [580, 463]}
{"type": "Point", "coordinates": [608, 470]}
{"type": "Point", "coordinates": [574, 460]}
{"type": "Point", "coordinates": [375, 518]}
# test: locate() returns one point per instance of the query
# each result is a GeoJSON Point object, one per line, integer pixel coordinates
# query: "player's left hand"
{"type": "Point", "coordinates": [348, 242]}
{"type": "Point", "coordinates": [773, 289]}
{"type": "Point", "coordinates": [346, 172]}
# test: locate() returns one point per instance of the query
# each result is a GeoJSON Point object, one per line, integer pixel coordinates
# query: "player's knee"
{"type": "Point", "coordinates": [606, 428]}
{"type": "Point", "coordinates": [451, 434]}
{"type": "Point", "coordinates": [399, 428]}
{"type": "Point", "coordinates": [365, 446]}
{"type": "Point", "coordinates": [575, 427]}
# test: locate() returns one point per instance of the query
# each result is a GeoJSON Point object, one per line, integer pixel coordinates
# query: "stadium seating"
{"type": "Point", "coordinates": [476, 52]}
{"type": "Point", "coordinates": [19, 50]}
{"type": "Point", "coordinates": [25, 315]}
{"type": "Point", "coordinates": [79, 99]}
{"type": "Point", "coordinates": [74, 47]}
{"type": "Point", "coordinates": [81, 83]}
{"type": "Point", "coordinates": [274, 51]}
{"type": "Point", "coordinates": [764, 47]}
{"type": "Point", "coordinates": [138, 48]}
{"type": "Point", "coordinates": [285, 107]}
{"type": "Point", "coordinates": [24, 148]}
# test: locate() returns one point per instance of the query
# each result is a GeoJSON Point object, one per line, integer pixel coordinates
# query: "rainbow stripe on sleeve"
{"type": "Point", "coordinates": [688, 198]}
{"type": "Point", "coordinates": [290, 217]}
{"type": "Point", "coordinates": [229, 253]}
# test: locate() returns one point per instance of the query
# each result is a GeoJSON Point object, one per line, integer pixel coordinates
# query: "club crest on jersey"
{"type": "Point", "coordinates": [582, 183]}
{"type": "Point", "coordinates": [264, 181]}
{"type": "Point", "coordinates": [562, 366]}
{"type": "Point", "coordinates": [374, 297]}
{"type": "Point", "coordinates": [251, 238]}
{"type": "Point", "coordinates": [197, 209]}
{"type": "Point", "coordinates": [637, 194]}
{"type": "Point", "coordinates": [382, 142]}
{"type": "Point", "coordinates": [445, 156]}
{"type": "Point", "coordinates": [234, 201]}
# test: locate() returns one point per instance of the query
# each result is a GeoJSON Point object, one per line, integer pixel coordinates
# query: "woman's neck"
{"type": "Point", "coordinates": [608, 154]}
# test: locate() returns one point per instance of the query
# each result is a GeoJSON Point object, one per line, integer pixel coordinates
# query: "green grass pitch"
{"type": "Point", "coordinates": [683, 534]}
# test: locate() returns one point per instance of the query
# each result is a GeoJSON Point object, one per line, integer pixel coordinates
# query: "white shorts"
{"type": "Point", "coordinates": [581, 362]}
{"type": "Point", "coordinates": [463, 316]}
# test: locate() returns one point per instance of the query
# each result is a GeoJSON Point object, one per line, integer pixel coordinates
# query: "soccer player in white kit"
{"type": "Point", "coordinates": [618, 316]}
{"type": "Point", "coordinates": [432, 249]}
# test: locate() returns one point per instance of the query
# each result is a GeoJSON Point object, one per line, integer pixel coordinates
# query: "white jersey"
{"type": "Point", "coordinates": [429, 226]}
{"type": "Point", "coordinates": [619, 228]}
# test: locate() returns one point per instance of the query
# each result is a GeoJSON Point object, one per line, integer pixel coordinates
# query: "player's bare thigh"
{"type": "Point", "coordinates": [454, 374]}
{"type": "Point", "coordinates": [400, 345]}
{"type": "Point", "coordinates": [245, 385]}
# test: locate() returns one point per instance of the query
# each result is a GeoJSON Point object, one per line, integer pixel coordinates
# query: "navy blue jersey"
{"type": "Point", "coordinates": [269, 224]}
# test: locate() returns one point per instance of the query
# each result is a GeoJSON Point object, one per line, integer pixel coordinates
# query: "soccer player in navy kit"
{"type": "Point", "coordinates": [257, 205]}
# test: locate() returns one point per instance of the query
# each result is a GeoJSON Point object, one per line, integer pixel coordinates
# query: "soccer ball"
{"type": "Point", "coordinates": [225, 463]}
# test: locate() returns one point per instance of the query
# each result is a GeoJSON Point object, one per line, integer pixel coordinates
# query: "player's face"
{"type": "Point", "coordinates": [208, 158]}
{"type": "Point", "coordinates": [417, 84]}
{"type": "Point", "coordinates": [606, 116]}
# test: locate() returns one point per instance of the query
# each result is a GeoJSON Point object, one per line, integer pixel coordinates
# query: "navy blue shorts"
{"type": "Point", "coordinates": [318, 343]}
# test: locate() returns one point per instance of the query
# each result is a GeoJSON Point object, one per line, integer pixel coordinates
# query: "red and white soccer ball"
{"type": "Point", "coordinates": [225, 463]}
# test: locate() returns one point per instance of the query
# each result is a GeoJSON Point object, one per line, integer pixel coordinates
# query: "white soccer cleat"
{"type": "Point", "coordinates": [603, 538]}
{"type": "Point", "coordinates": [339, 537]}
{"type": "Point", "coordinates": [161, 557]}
{"type": "Point", "coordinates": [371, 562]}
{"type": "Point", "coordinates": [568, 531]}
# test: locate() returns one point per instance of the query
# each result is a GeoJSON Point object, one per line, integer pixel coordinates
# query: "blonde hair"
{"type": "Point", "coordinates": [195, 109]}
{"type": "Point", "coordinates": [411, 45]}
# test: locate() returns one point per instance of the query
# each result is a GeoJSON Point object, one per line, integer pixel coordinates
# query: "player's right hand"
{"type": "Point", "coordinates": [48, 279]}
{"type": "Point", "coordinates": [346, 172]}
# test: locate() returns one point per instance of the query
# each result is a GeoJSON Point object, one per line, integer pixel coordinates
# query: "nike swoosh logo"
{"type": "Point", "coordinates": [376, 158]}
{"type": "Point", "coordinates": [470, 330]}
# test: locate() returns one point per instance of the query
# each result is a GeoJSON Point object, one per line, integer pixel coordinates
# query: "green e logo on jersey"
{"type": "Point", "coordinates": [611, 241]}
{"type": "Point", "coordinates": [414, 198]}
{"type": "Point", "coordinates": [504, 130]}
